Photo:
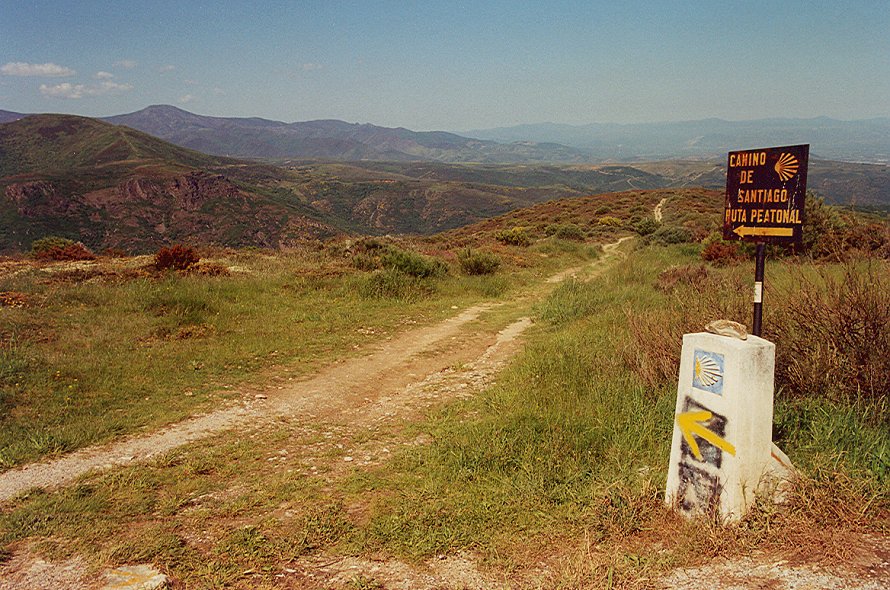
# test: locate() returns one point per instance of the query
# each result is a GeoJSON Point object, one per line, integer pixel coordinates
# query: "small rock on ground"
{"type": "Point", "coordinates": [135, 577]}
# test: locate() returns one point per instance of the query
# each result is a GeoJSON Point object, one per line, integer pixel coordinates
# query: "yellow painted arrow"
{"type": "Point", "coordinates": [744, 230]}
{"type": "Point", "coordinates": [690, 424]}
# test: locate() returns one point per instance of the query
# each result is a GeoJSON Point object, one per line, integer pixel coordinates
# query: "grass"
{"type": "Point", "coordinates": [572, 444]}
{"type": "Point", "coordinates": [562, 462]}
{"type": "Point", "coordinates": [94, 357]}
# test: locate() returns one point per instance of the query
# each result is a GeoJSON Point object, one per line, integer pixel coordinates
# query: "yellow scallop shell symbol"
{"type": "Point", "coordinates": [707, 371]}
{"type": "Point", "coordinates": [786, 167]}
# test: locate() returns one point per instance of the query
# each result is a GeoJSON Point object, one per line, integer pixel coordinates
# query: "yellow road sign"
{"type": "Point", "coordinates": [691, 424]}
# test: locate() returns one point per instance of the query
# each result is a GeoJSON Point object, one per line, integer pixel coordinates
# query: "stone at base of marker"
{"type": "Point", "coordinates": [135, 577]}
{"type": "Point", "coordinates": [779, 478]}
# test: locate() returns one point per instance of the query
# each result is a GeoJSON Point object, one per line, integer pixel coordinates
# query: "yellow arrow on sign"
{"type": "Point", "coordinates": [743, 231]}
{"type": "Point", "coordinates": [690, 424]}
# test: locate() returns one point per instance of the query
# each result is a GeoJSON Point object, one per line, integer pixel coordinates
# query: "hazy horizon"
{"type": "Point", "coordinates": [455, 66]}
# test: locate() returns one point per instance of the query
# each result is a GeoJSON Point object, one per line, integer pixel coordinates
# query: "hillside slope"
{"type": "Point", "coordinates": [114, 187]}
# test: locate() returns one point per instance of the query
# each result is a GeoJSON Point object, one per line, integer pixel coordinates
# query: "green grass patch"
{"type": "Point", "coordinates": [97, 356]}
{"type": "Point", "coordinates": [573, 443]}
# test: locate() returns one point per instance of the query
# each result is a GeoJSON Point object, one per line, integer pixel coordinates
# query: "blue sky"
{"type": "Point", "coordinates": [450, 65]}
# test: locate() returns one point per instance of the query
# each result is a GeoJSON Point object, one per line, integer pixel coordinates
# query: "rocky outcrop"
{"type": "Point", "coordinates": [41, 198]}
{"type": "Point", "coordinates": [139, 188]}
{"type": "Point", "coordinates": [192, 190]}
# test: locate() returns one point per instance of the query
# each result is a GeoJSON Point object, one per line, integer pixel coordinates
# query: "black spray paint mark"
{"type": "Point", "coordinates": [698, 491]}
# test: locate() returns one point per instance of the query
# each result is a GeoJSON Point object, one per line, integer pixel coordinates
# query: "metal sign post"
{"type": "Point", "coordinates": [759, 263]}
{"type": "Point", "coordinates": [765, 193]}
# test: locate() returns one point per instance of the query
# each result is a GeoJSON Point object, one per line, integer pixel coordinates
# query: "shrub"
{"type": "Point", "coordinates": [822, 227]}
{"type": "Point", "coordinates": [870, 238]}
{"type": "Point", "coordinates": [610, 221]}
{"type": "Point", "coordinates": [366, 261]}
{"type": "Point", "coordinates": [473, 262]}
{"type": "Point", "coordinates": [568, 231]}
{"type": "Point", "coordinates": [56, 248]}
{"type": "Point", "coordinates": [832, 334]}
{"type": "Point", "coordinates": [690, 275]}
{"type": "Point", "coordinates": [719, 251]}
{"type": "Point", "coordinates": [646, 226]}
{"type": "Point", "coordinates": [393, 284]}
{"type": "Point", "coordinates": [516, 236]}
{"type": "Point", "coordinates": [412, 263]}
{"type": "Point", "coordinates": [370, 245]}
{"type": "Point", "coordinates": [176, 257]}
{"type": "Point", "coordinates": [671, 234]}
{"type": "Point", "coordinates": [38, 247]}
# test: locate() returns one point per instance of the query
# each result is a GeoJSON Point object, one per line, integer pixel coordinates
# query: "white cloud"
{"type": "Point", "coordinates": [75, 91]}
{"type": "Point", "coordinates": [187, 98]}
{"type": "Point", "coordinates": [20, 68]}
{"type": "Point", "coordinates": [109, 87]}
{"type": "Point", "coordinates": [311, 67]}
{"type": "Point", "coordinates": [63, 90]}
{"type": "Point", "coordinates": [166, 68]}
{"type": "Point", "coordinates": [218, 91]}
{"type": "Point", "coordinates": [127, 64]}
{"type": "Point", "coordinates": [103, 76]}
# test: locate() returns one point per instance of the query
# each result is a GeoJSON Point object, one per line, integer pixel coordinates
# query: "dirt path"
{"type": "Point", "coordinates": [394, 364]}
{"type": "Point", "coordinates": [657, 213]}
{"type": "Point", "coordinates": [592, 270]}
{"type": "Point", "coordinates": [395, 382]}
{"type": "Point", "coordinates": [385, 369]}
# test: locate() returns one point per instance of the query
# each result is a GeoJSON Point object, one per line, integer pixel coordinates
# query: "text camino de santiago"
{"type": "Point", "coordinates": [759, 196]}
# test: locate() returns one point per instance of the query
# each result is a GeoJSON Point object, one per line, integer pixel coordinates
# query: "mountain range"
{"type": "Point", "coordinates": [253, 137]}
{"type": "Point", "coordinates": [112, 186]}
{"type": "Point", "coordinates": [829, 139]}
{"type": "Point", "coordinates": [329, 139]}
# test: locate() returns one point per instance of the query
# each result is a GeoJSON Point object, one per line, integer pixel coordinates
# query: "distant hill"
{"type": "Point", "coordinates": [329, 139]}
{"type": "Point", "coordinates": [698, 210]}
{"type": "Point", "coordinates": [7, 116]}
{"type": "Point", "coordinates": [859, 185]}
{"type": "Point", "coordinates": [114, 187]}
{"type": "Point", "coordinates": [864, 140]}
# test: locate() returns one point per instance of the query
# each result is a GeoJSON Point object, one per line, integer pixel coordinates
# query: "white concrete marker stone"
{"type": "Point", "coordinates": [722, 451]}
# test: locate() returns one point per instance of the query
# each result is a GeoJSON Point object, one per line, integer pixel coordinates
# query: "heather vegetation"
{"type": "Point", "coordinates": [176, 257]}
{"type": "Point", "coordinates": [57, 248]}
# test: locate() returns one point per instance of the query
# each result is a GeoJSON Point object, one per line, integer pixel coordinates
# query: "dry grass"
{"type": "Point", "coordinates": [832, 331]}
{"type": "Point", "coordinates": [695, 296]}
